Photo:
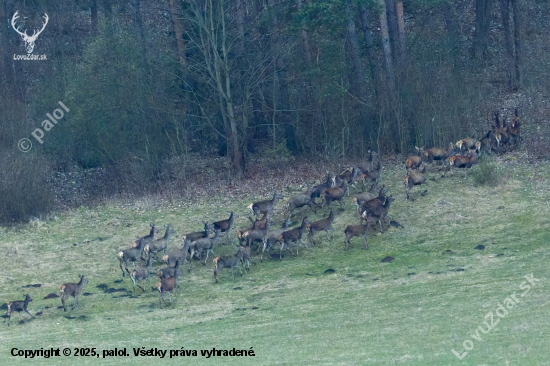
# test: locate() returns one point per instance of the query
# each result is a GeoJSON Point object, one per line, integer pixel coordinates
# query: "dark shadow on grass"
{"type": "Point", "coordinates": [84, 318]}
{"type": "Point", "coordinates": [51, 296]}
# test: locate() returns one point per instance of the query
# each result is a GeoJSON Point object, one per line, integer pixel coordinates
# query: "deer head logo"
{"type": "Point", "coordinates": [29, 41]}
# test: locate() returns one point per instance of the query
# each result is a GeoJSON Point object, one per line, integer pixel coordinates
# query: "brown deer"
{"type": "Point", "coordinates": [501, 136]}
{"type": "Point", "coordinates": [514, 129]}
{"type": "Point", "coordinates": [224, 226]}
{"type": "Point", "coordinates": [261, 207]}
{"type": "Point", "coordinates": [147, 238]}
{"type": "Point", "coordinates": [141, 274]}
{"type": "Point", "coordinates": [196, 235]}
{"type": "Point", "coordinates": [257, 224]}
{"type": "Point", "coordinates": [437, 153]}
{"type": "Point", "coordinates": [318, 189]}
{"type": "Point", "coordinates": [273, 238]}
{"type": "Point", "coordinates": [465, 145]}
{"type": "Point", "coordinates": [18, 306]}
{"type": "Point", "coordinates": [414, 161]}
{"type": "Point", "coordinates": [300, 200]}
{"type": "Point", "coordinates": [349, 176]}
{"type": "Point", "coordinates": [203, 244]}
{"type": "Point", "coordinates": [72, 289]}
{"type": "Point", "coordinates": [159, 244]}
{"type": "Point", "coordinates": [229, 262]}
{"type": "Point", "coordinates": [414, 179]}
{"type": "Point", "coordinates": [294, 235]}
{"type": "Point", "coordinates": [371, 176]}
{"type": "Point", "coordinates": [132, 254]}
{"type": "Point", "coordinates": [167, 285]}
{"type": "Point", "coordinates": [358, 230]}
{"type": "Point", "coordinates": [371, 204]}
{"type": "Point", "coordinates": [252, 236]}
{"type": "Point", "coordinates": [463, 162]}
{"type": "Point", "coordinates": [320, 225]}
{"type": "Point", "coordinates": [379, 212]}
{"type": "Point", "coordinates": [366, 196]}
{"type": "Point", "coordinates": [335, 194]}
{"type": "Point", "coordinates": [169, 271]}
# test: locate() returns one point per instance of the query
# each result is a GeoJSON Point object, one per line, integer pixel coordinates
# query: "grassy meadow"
{"type": "Point", "coordinates": [413, 311]}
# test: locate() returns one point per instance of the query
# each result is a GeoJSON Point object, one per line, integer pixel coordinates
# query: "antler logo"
{"type": "Point", "coordinates": [29, 41]}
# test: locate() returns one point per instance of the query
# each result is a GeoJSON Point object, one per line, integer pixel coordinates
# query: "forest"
{"type": "Point", "coordinates": [163, 95]}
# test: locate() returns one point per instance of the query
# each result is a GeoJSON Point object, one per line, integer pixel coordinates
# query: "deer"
{"type": "Point", "coordinates": [300, 200]}
{"type": "Point", "coordinates": [414, 179]}
{"type": "Point", "coordinates": [29, 40]}
{"type": "Point", "coordinates": [229, 262]}
{"type": "Point", "coordinates": [335, 193]}
{"type": "Point", "coordinates": [167, 285]}
{"type": "Point", "coordinates": [466, 144]}
{"type": "Point", "coordinates": [147, 238]}
{"type": "Point", "coordinates": [261, 207]}
{"type": "Point", "coordinates": [501, 136]}
{"type": "Point", "coordinates": [366, 196]}
{"type": "Point", "coordinates": [372, 176]}
{"type": "Point", "coordinates": [318, 189]}
{"type": "Point", "coordinates": [437, 153]}
{"type": "Point", "coordinates": [224, 226]}
{"type": "Point", "coordinates": [196, 235]}
{"type": "Point", "coordinates": [72, 289]}
{"type": "Point", "coordinates": [358, 230]}
{"type": "Point", "coordinates": [379, 212]}
{"type": "Point", "coordinates": [371, 204]}
{"type": "Point", "coordinates": [169, 271]}
{"type": "Point", "coordinates": [256, 225]}
{"type": "Point", "coordinates": [366, 167]}
{"type": "Point", "coordinates": [415, 161]}
{"type": "Point", "coordinates": [349, 176]}
{"type": "Point", "coordinates": [200, 245]}
{"type": "Point", "coordinates": [246, 256]}
{"type": "Point", "coordinates": [141, 274]}
{"type": "Point", "coordinates": [320, 225]}
{"type": "Point", "coordinates": [132, 254]}
{"type": "Point", "coordinates": [463, 162]}
{"type": "Point", "coordinates": [514, 129]}
{"type": "Point", "coordinates": [177, 255]}
{"type": "Point", "coordinates": [294, 235]}
{"type": "Point", "coordinates": [252, 236]}
{"type": "Point", "coordinates": [273, 238]}
{"type": "Point", "coordinates": [18, 306]}
{"type": "Point", "coordinates": [159, 244]}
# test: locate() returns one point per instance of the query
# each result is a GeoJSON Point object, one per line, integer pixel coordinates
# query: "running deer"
{"type": "Point", "coordinates": [132, 254]}
{"type": "Point", "coordinates": [380, 212]}
{"type": "Point", "coordinates": [463, 162]}
{"type": "Point", "coordinates": [437, 153]}
{"type": "Point", "coordinates": [229, 262]}
{"type": "Point", "coordinates": [261, 207]}
{"type": "Point", "coordinates": [256, 225]}
{"type": "Point", "coordinates": [72, 289]}
{"type": "Point", "coordinates": [167, 285]}
{"type": "Point", "coordinates": [320, 225]}
{"type": "Point", "coordinates": [252, 236]}
{"type": "Point", "coordinates": [19, 306]}
{"type": "Point", "coordinates": [358, 230]}
{"type": "Point", "coordinates": [141, 274]}
{"type": "Point", "coordinates": [318, 189]}
{"type": "Point", "coordinates": [416, 160]}
{"type": "Point", "coordinates": [372, 176]}
{"type": "Point", "coordinates": [349, 176]}
{"type": "Point", "coordinates": [159, 244]}
{"type": "Point", "coordinates": [224, 226]}
{"type": "Point", "coordinates": [414, 179]}
{"type": "Point", "coordinates": [169, 271]}
{"type": "Point", "coordinates": [203, 244]}
{"type": "Point", "coordinates": [272, 238]}
{"type": "Point", "coordinates": [300, 200]}
{"type": "Point", "coordinates": [366, 196]}
{"type": "Point", "coordinates": [196, 235]}
{"type": "Point", "coordinates": [335, 193]}
{"type": "Point", "coordinates": [147, 238]}
{"type": "Point", "coordinates": [294, 235]}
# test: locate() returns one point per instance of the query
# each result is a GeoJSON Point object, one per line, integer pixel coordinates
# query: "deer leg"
{"type": "Point", "coordinates": [281, 252]}
{"type": "Point", "coordinates": [63, 302]}
{"type": "Point", "coordinates": [120, 262]}
{"type": "Point", "coordinates": [365, 240]}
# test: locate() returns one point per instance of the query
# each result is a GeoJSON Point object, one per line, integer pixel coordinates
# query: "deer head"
{"type": "Point", "coordinates": [29, 41]}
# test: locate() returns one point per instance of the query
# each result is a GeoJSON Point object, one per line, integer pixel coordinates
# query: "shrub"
{"type": "Point", "coordinates": [486, 172]}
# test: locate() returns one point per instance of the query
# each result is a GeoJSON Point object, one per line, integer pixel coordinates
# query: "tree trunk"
{"type": "Point", "coordinates": [505, 12]}
{"type": "Point", "coordinates": [93, 17]}
{"type": "Point", "coordinates": [401, 29]}
{"type": "Point", "coordinates": [358, 77]}
{"type": "Point", "coordinates": [391, 17]}
{"type": "Point", "coordinates": [178, 30]}
{"type": "Point", "coordinates": [518, 41]}
{"type": "Point", "coordinates": [483, 21]}
{"type": "Point", "coordinates": [370, 49]}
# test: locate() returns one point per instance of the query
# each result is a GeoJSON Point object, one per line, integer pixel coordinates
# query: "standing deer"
{"type": "Point", "coordinates": [147, 238]}
{"type": "Point", "coordinates": [141, 274]}
{"type": "Point", "coordinates": [224, 226]}
{"type": "Point", "coordinates": [72, 289]}
{"type": "Point", "coordinates": [167, 285]}
{"type": "Point", "coordinates": [159, 244]}
{"type": "Point", "coordinates": [230, 262]}
{"type": "Point", "coordinates": [321, 225]}
{"type": "Point", "coordinates": [293, 235]}
{"type": "Point", "coordinates": [19, 306]}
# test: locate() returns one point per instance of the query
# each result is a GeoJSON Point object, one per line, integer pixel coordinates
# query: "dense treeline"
{"type": "Point", "coordinates": [146, 81]}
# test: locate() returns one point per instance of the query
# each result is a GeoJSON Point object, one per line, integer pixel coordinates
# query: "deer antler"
{"type": "Point", "coordinates": [35, 35]}
{"type": "Point", "coordinates": [15, 16]}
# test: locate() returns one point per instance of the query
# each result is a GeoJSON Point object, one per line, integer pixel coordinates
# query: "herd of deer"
{"type": "Point", "coordinates": [372, 205]}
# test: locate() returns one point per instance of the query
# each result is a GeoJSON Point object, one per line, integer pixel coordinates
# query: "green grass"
{"type": "Point", "coordinates": [411, 311]}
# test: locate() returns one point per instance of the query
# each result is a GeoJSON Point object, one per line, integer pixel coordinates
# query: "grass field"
{"type": "Point", "coordinates": [413, 311]}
